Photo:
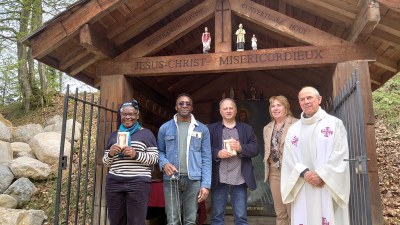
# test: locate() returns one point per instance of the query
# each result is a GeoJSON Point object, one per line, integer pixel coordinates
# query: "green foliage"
{"type": "Point", "coordinates": [386, 102]}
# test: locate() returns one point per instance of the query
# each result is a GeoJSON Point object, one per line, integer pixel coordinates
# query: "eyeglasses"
{"type": "Point", "coordinates": [183, 103]}
{"type": "Point", "coordinates": [129, 114]}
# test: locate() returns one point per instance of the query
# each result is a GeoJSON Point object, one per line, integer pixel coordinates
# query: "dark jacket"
{"type": "Point", "coordinates": [249, 145]}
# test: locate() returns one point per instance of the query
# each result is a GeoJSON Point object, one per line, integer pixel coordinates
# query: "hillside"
{"type": "Point", "coordinates": [387, 142]}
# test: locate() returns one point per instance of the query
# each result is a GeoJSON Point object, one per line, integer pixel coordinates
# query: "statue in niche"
{"type": "Point", "coordinates": [240, 38]}
{"type": "Point", "coordinates": [261, 95]}
{"type": "Point", "coordinates": [206, 40]}
{"type": "Point", "coordinates": [254, 42]}
{"type": "Point", "coordinates": [232, 93]}
{"type": "Point", "coordinates": [253, 92]}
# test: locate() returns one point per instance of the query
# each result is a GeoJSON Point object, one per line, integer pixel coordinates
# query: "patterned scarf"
{"type": "Point", "coordinates": [275, 143]}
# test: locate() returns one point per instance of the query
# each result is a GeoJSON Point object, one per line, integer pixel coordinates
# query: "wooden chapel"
{"type": "Point", "coordinates": [151, 50]}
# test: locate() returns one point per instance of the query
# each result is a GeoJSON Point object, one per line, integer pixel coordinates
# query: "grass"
{"type": "Point", "coordinates": [386, 102]}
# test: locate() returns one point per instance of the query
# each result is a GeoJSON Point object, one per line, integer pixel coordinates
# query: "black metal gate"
{"type": "Point", "coordinates": [80, 183]}
{"type": "Point", "coordinates": [348, 106]}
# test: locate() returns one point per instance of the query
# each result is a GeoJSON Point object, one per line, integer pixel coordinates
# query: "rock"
{"type": "Point", "coordinates": [5, 133]}
{"type": "Point", "coordinates": [21, 149]}
{"type": "Point", "coordinates": [22, 190]}
{"type": "Point", "coordinates": [6, 178]}
{"type": "Point", "coordinates": [68, 129]}
{"type": "Point", "coordinates": [26, 132]}
{"type": "Point", "coordinates": [21, 217]}
{"type": "Point", "coordinates": [46, 147]}
{"type": "Point", "coordinates": [55, 119]}
{"type": "Point", "coordinates": [30, 168]}
{"type": "Point", "coordinates": [7, 201]}
{"type": "Point", "coordinates": [5, 121]}
{"type": "Point", "coordinates": [6, 154]}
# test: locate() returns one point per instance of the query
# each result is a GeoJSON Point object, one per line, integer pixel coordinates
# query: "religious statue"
{"type": "Point", "coordinates": [232, 93]}
{"type": "Point", "coordinates": [253, 92]}
{"type": "Point", "coordinates": [206, 40]}
{"type": "Point", "coordinates": [240, 38]}
{"type": "Point", "coordinates": [254, 42]}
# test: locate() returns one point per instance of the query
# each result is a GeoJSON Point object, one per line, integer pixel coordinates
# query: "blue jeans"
{"type": "Point", "coordinates": [181, 200]}
{"type": "Point", "coordinates": [219, 196]}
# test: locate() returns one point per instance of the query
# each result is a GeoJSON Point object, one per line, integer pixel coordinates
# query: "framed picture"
{"type": "Point", "coordinates": [227, 146]}
{"type": "Point", "coordinates": [122, 139]}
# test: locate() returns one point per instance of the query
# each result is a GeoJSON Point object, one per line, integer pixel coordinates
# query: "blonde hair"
{"type": "Point", "coordinates": [283, 100]}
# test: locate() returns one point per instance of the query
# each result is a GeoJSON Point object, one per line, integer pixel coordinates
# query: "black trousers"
{"type": "Point", "coordinates": [127, 200]}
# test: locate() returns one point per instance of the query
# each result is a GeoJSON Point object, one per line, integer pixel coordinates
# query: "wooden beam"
{"type": "Point", "coordinates": [171, 32]}
{"type": "Point", "coordinates": [56, 34]}
{"type": "Point", "coordinates": [325, 10]}
{"type": "Point", "coordinates": [366, 20]}
{"type": "Point", "coordinates": [283, 24]}
{"type": "Point", "coordinates": [97, 44]}
{"type": "Point", "coordinates": [142, 18]}
{"type": "Point", "coordinates": [305, 56]}
{"type": "Point", "coordinates": [223, 27]}
{"type": "Point", "coordinates": [392, 4]}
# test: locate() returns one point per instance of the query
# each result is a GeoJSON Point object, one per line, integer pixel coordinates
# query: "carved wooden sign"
{"type": "Point", "coordinates": [264, 59]}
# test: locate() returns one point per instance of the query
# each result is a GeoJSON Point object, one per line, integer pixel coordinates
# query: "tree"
{"type": "Point", "coordinates": [18, 18]}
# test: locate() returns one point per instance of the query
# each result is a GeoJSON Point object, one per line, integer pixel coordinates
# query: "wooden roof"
{"type": "Point", "coordinates": [92, 32]}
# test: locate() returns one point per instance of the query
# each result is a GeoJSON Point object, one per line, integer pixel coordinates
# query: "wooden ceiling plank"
{"type": "Point", "coordinates": [171, 32]}
{"type": "Point", "coordinates": [351, 7]}
{"type": "Point", "coordinates": [276, 36]}
{"type": "Point", "coordinates": [72, 58]}
{"type": "Point", "coordinates": [157, 87]}
{"type": "Point", "coordinates": [271, 86]}
{"type": "Point", "coordinates": [305, 56]}
{"type": "Point", "coordinates": [366, 21]}
{"type": "Point", "coordinates": [386, 63]}
{"type": "Point", "coordinates": [217, 83]}
{"type": "Point", "coordinates": [386, 37]}
{"type": "Point", "coordinates": [58, 33]}
{"type": "Point", "coordinates": [392, 4]}
{"type": "Point", "coordinates": [325, 10]}
{"type": "Point", "coordinates": [283, 24]}
{"type": "Point", "coordinates": [141, 19]}
{"type": "Point", "coordinates": [97, 43]}
{"type": "Point", "coordinates": [282, 6]}
{"type": "Point", "coordinates": [389, 25]}
{"type": "Point", "coordinates": [82, 64]}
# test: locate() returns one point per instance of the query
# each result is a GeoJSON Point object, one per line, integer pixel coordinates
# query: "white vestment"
{"type": "Point", "coordinates": [320, 144]}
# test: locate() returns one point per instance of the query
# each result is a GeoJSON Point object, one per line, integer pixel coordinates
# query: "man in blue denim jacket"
{"type": "Point", "coordinates": [185, 158]}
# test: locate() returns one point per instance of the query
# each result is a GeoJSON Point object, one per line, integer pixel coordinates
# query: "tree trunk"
{"type": "Point", "coordinates": [22, 55]}
{"type": "Point", "coordinates": [37, 14]}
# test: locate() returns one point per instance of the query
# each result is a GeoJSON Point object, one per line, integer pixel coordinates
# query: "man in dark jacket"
{"type": "Point", "coordinates": [233, 144]}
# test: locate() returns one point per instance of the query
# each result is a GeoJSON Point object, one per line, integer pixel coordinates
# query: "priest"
{"type": "Point", "coordinates": [314, 177]}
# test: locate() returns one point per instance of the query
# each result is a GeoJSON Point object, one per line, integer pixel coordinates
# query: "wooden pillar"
{"type": "Point", "coordinates": [115, 89]}
{"type": "Point", "coordinates": [341, 75]}
{"type": "Point", "coordinates": [223, 26]}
